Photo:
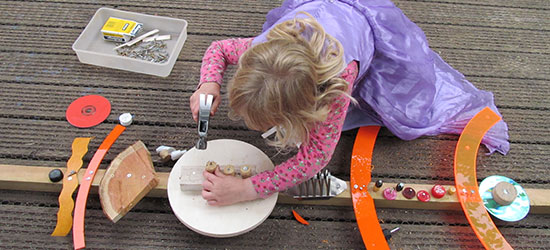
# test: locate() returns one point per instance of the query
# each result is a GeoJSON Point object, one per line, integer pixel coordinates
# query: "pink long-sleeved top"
{"type": "Point", "coordinates": [311, 157]}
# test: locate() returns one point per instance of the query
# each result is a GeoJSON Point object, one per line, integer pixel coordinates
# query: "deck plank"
{"type": "Point", "coordinates": [500, 46]}
{"type": "Point", "coordinates": [425, 159]}
{"type": "Point", "coordinates": [329, 228]}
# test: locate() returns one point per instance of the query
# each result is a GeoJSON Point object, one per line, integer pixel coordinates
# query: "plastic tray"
{"type": "Point", "coordinates": [92, 49]}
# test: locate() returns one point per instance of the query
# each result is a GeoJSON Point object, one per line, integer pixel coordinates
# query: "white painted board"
{"type": "Point", "coordinates": [219, 221]}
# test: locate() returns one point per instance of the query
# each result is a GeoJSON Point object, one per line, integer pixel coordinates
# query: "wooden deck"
{"type": "Point", "coordinates": [501, 46]}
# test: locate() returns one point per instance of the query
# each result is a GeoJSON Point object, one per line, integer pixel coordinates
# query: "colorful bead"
{"type": "Point", "coordinates": [408, 193]}
{"type": "Point", "coordinates": [389, 194]}
{"type": "Point", "coordinates": [451, 191]}
{"type": "Point", "coordinates": [438, 191]}
{"type": "Point", "coordinates": [399, 187]}
{"type": "Point", "coordinates": [423, 196]}
{"type": "Point", "coordinates": [377, 185]}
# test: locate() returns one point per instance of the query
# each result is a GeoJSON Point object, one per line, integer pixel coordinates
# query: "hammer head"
{"type": "Point", "coordinates": [204, 118]}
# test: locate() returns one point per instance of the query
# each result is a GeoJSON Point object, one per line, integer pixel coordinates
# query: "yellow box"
{"type": "Point", "coordinates": [120, 30]}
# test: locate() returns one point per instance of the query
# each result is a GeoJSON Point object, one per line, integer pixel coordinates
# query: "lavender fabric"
{"type": "Point", "coordinates": [402, 84]}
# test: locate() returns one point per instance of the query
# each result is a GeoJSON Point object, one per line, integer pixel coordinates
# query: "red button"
{"type": "Point", "coordinates": [438, 191]}
{"type": "Point", "coordinates": [389, 193]}
{"type": "Point", "coordinates": [409, 192]}
{"type": "Point", "coordinates": [423, 196]}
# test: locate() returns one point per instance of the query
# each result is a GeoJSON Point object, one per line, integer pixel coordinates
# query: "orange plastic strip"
{"type": "Point", "coordinates": [86, 183]}
{"type": "Point", "coordinates": [466, 180]}
{"type": "Point", "coordinates": [299, 218]}
{"type": "Point", "coordinates": [360, 176]}
{"type": "Point", "coordinates": [70, 182]}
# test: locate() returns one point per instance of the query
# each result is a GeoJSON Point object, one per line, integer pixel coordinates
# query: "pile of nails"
{"type": "Point", "coordinates": [154, 51]}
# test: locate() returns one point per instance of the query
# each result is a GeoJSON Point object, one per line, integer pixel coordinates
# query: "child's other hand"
{"type": "Point", "coordinates": [208, 88]}
{"type": "Point", "coordinates": [220, 189]}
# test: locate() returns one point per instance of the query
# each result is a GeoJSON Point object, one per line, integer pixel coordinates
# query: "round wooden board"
{"type": "Point", "coordinates": [215, 221]}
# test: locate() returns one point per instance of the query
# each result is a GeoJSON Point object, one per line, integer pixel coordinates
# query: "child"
{"type": "Point", "coordinates": [314, 58]}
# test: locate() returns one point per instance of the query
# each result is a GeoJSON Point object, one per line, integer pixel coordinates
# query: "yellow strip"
{"type": "Point", "coordinates": [70, 182]}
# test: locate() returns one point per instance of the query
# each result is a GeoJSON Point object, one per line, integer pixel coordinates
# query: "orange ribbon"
{"type": "Point", "coordinates": [466, 180]}
{"type": "Point", "coordinates": [86, 183]}
{"type": "Point", "coordinates": [360, 176]}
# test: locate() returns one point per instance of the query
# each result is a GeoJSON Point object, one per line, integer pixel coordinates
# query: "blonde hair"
{"type": "Point", "coordinates": [289, 81]}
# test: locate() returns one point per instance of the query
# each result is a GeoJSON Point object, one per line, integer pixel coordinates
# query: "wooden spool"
{"type": "Point", "coordinates": [504, 193]}
{"type": "Point", "coordinates": [219, 221]}
{"type": "Point", "coordinates": [229, 170]}
{"type": "Point", "coordinates": [246, 171]}
{"type": "Point", "coordinates": [211, 166]}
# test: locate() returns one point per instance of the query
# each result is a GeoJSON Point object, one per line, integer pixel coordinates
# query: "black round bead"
{"type": "Point", "coordinates": [399, 187]}
{"type": "Point", "coordinates": [378, 183]}
{"type": "Point", "coordinates": [55, 175]}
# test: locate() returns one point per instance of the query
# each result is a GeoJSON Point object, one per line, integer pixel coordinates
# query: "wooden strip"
{"type": "Point", "coordinates": [246, 23]}
{"type": "Point", "coordinates": [33, 178]}
{"type": "Point", "coordinates": [397, 160]}
{"type": "Point", "coordinates": [17, 99]}
{"type": "Point", "coordinates": [475, 15]}
{"type": "Point", "coordinates": [240, 6]}
{"type": "Point", "coordinates": [532, 4]}
{"type": "Point", "coordinates": [54, 39]}
{"type": "Point", "coordinates": [40, 67]}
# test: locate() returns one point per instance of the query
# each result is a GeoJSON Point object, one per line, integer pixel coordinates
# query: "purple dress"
{"type": "Point", "coordinates": [402, 84]}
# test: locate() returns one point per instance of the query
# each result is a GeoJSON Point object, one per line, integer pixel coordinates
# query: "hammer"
{"type": "Point", "coordinates": [205, 104]}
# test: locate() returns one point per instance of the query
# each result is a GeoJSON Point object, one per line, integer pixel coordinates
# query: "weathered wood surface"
{"type": "Point", "coordinates": [501, 46]}
{"type": "Point", "coordinates": [130, 176]}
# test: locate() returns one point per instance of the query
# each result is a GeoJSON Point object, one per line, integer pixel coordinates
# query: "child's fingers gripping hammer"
{"type": "Point", "coordinates": [208, 88]}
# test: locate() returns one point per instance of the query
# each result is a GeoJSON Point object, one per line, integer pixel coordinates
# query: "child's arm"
{"type": "Point", "coordinates": [214, 63]}
{"type": "Point", "coordinates": [218, 55]}
{"type": "Point", "coordinates": [311, 157]}
{"type": "Point", "coordinates": [219, 189]}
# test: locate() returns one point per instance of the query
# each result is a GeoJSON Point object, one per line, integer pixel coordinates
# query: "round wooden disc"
{"type": "Point", "coordinates": [219, 221]}
{"type": "Point", "coordinates": [504, 193]}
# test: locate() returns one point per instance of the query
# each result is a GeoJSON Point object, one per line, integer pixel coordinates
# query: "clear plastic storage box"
{"type": "Point", "coordinates": [92, 49]}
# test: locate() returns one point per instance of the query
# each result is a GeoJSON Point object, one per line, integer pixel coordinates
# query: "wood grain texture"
{"type": "Point", "coordinates": [129, 178]}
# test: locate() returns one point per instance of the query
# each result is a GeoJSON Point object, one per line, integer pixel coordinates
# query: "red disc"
{"type": "Point", "coordinates": [438, 191]}
{"type": "Point", "coordinates": [88, 111]}
{"type": "Point", "coordinates": [423, 195]}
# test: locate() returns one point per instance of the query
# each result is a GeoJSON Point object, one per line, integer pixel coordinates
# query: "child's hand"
{"type": "Point", "coordinates": [207, 88]}
{"type": "Point", "coordinates": [220, 189]}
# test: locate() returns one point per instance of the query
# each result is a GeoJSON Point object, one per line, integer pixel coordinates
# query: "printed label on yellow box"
{"type": "Point", "coordinates": [120, 30]}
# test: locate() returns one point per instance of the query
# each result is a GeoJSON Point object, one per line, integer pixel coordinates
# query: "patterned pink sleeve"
{"type": "Point", "coordinates": [218, 55]}
{"type": "Point", "coordinates": [311, 158]}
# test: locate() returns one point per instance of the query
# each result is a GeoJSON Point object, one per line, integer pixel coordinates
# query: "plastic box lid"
{"type": "Point", "coordinates": [92, 49]}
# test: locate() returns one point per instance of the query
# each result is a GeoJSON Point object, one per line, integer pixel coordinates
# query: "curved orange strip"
{"type": "Point", "coordinates": [466, 180]}
{"type": "Point", "coordinates": [360, 176]}
{"type": "Point", "coordinates": [299, 218]}
{"type": "Point", "coordinates": [66, 202]}
{"type": "Point", "coordinates": [86, 183]}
